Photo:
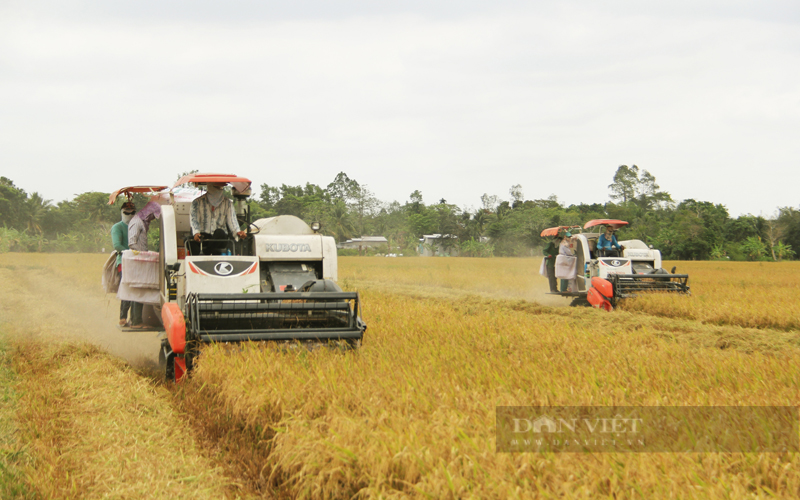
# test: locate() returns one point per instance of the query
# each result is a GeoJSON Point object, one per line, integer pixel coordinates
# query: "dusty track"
{"type": "Point", "coordinates": [39, 302]}
{"type": "Point", "coordinates": [87, 425]}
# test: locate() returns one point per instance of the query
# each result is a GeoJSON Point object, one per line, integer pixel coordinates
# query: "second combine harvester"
{"type": "Point", "coordinates": [603, 281]}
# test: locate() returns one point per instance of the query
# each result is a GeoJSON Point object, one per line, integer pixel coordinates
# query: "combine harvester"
{"type": "Point", "coordinates": [607, 280]}
{"type": "Point", "coordinates": [278, 284]}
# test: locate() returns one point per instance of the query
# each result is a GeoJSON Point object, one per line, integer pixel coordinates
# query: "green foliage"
{"type": "Point", "coordinates": [783, 251]}
{"type": "Point", "coordinates": [638, 190]}
{"type": "Point", "coordinates": [690, 230]}
{"type": "Point", "coordinates": [718, 253]}
{"type": "Point", "coordinates": [789, 225]}
{"type": "Point", "coordinates": [754, 248]}
{"type": "Point", "coordinates": [472, 248]}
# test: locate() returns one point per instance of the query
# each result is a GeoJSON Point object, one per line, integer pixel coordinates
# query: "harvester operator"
{"type": "Point", "coordinates": [607, 244]}
{"type": "Point", "coordinates": [213, 217]}
{"type": "Point", "coordinates": [119, 238]}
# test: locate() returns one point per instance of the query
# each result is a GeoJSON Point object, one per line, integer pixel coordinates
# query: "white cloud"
{"type": "Point", "coordinates": [554, 99]}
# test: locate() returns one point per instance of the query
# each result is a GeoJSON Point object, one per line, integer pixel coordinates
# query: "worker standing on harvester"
{"type": "Point", "coordinates": [550, 252]}
{"type": "Point", "coordinates": [137, 241]}
{"type": "Point", "coordinates": [119, 238]}
{"type": "Point", "coordinates": [568, 282]}
{"type": "Point", "coordinates": [213, 217]}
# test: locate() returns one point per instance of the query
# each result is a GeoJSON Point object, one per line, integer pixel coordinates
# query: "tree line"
{"type": "Point", "coordinates": [684, 230]}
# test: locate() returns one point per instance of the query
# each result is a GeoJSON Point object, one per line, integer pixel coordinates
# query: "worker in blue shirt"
{"type": "Point", "coordinates": [607, 244]}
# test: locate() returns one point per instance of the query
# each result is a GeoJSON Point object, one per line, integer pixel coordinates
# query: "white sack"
{"type": "Point", "coordinates": [543, 268]}
{"type": "Point", "coordinates": [140, 271]}
{"type": "Point", "coordinates": [566, 267]}
{"type": "Point", "coordinates": [141, 295]}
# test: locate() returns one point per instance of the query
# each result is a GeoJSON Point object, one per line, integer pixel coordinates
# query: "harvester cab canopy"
{"type": "Point", "coordinates": [555, 231]}
{"type": "Point", "coordinates": [130, 190]}
{"type": "Point", "coordinates": [613, 223]}
{"type": "Point", "coordinates": [241, 185]}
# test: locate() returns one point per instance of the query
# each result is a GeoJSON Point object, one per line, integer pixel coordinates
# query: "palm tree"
{"type": "Point", "coordinates": [340, 221]}
{"type": "Point", "coordinates": [35, 209]}
{"type": "Point", "coordinates": [481, 218]}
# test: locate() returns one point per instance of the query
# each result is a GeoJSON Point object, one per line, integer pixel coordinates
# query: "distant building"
{"type": "Point", "coordinates": [432, 245]}
{"type": "Point", "coordinates": [364, 242]}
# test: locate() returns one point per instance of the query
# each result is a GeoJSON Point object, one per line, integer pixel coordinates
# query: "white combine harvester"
{"type": "Point", "coordinates": [603, 281]}
{"type": "Point", "coordinates": [278, 284]}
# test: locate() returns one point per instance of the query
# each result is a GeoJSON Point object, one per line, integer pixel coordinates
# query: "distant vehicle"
{"type": "Point", "coordinates": [603, 281]}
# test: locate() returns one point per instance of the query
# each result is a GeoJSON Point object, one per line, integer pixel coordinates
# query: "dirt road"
{"type": "Point", "coordinates": [67, 302]}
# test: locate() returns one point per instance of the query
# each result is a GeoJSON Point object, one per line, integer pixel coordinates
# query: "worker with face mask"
{"type": "Point", "coordinates": [137, 240]}
{"type": "Point", "coordinates": [213, 217]}
{"type": "Point", "coordinates": [119, 238]}
{"type": "Point", "coordinates": [607, 244]}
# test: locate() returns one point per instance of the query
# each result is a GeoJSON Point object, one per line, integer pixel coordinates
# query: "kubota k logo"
{"type": "Point", "coordinates": [615, 263]}
{"type": "Point", "coordinates": [223, 268]}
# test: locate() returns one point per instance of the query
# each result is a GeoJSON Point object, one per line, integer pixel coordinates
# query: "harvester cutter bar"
{"type": "Point", "coordinates": [285, 334]}
{"type": "Point", "coordinates": [274, 316]}
{"type": "Point", "coordinates": [628, 285]}
{"type": "Point", "coordinates": [318, 296]}
{"type": "Point", "coordinates": [260, 306]}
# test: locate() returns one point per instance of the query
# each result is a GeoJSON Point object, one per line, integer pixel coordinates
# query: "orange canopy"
{"type": "Point", "coordinates": [206, 178]}
{"type": "Point", "coordinates": [553, 231]}
{"type": "Point", "coordinates": [128, 192]}
{"type": "Point", "coordinates": [616, 224]}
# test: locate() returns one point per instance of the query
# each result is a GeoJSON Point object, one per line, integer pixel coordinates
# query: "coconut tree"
{"type": "Point", "coordinates": [340, 221]}
{"type": "Point", "coordinates": [36, 209]}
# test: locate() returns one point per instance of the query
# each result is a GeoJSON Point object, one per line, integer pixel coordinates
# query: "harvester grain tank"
{"type": "Point", "coordinates": [602, 281]}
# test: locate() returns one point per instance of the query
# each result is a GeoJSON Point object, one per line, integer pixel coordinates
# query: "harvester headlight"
{"type": "Point", "coordinates": [315, 226]}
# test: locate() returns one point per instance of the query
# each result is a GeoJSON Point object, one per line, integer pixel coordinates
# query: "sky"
{"type": "Point", "coordinates": [454, 99]}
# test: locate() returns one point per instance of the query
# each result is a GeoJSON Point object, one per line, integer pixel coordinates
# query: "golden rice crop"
{"type": "Point", "coordinates": [413, 412]}
{"type": "Point", "coordinates": [12, 449]}
{"type": "Point", "coordinates": [94, 429]}
{"type": "Point", "coordinates": [747, 294]}
{"type": "Point", "coordinates": [497, 278]}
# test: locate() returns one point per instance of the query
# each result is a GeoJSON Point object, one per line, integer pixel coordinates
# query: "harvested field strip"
{"type": "Point", "coordinates": [12, 449]}
{"type": "Point", "coordinates": [65, 265]}
{"type": "Point", "coordinates": [499, 278]}
{"type": "Point", "coordinates": [54, 299]}
{"type": "Point", "coordinates": [95, 429]}
{"type": "Point", "coordinates": [745, 294]}
{"type": "Point", "coordinates": [413, 412]}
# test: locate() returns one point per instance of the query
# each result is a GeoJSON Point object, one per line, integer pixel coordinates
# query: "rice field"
{"type": "Point", "coordinates": [412, 413]}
